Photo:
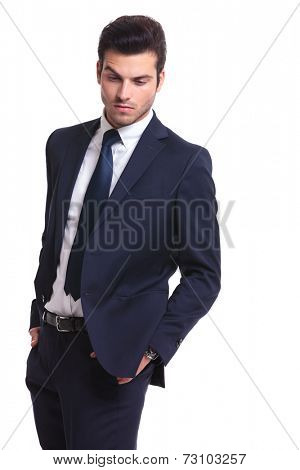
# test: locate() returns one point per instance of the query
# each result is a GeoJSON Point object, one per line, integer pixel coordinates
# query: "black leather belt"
{"type": "Point", "coordinates": [63, 323]}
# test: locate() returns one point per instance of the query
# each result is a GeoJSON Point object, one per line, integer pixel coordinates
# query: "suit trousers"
{"type": "Point", "coordinates": [77, 404]}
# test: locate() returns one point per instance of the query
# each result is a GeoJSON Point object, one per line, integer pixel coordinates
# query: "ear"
{"type": "Point", "coordinates": [161, 80]}
{"type": "Point", "coordinates": [98, 71]}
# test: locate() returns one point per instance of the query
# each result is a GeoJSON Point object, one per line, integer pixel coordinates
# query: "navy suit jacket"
{"type": "Point", "coordinates": [161, 215]}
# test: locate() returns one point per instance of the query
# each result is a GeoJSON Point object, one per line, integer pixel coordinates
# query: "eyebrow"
{"type": "Point", "coordinates": [108, 67]}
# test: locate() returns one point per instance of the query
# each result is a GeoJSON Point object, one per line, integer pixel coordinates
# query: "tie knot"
{"type": "Point", "coordinates": [110, 137]}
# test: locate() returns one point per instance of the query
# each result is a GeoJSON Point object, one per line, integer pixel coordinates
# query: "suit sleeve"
{"type": "Point", "coordinates": [198, 256]}
{"type": "Point", "coordinates": [34, 313]}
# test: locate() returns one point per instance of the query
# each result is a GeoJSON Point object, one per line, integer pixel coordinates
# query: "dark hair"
{"type": "Point", "coordinates": [132, 35]}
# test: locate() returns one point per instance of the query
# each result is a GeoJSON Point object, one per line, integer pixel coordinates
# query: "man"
{"type": "Point", "coordinates": [128, 201]}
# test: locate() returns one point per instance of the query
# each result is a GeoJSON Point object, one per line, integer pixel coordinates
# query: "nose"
{"type": "Point", "coordinates": [124, 92]}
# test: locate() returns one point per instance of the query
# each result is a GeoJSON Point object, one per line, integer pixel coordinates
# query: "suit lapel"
{"type": "Point", "coordinates": [69, 171]}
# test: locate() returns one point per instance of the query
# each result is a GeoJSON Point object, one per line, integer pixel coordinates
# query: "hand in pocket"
{"type": "Point", "coordinates": [123, 380]}
{"type": "Point", "coordinates": [34, 333]}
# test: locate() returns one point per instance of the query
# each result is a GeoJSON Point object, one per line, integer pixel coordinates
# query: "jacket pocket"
{"type": "Point", "coordinates": [122, 296]}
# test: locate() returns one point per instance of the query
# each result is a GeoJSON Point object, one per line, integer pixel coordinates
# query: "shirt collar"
{"type": "Point", "coordinates": [129, 134]}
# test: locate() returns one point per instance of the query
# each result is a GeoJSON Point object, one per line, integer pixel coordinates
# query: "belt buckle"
{"type": "Point", "coordinates": [57, 319]}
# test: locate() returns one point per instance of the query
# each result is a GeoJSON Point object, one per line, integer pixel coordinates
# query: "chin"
{"type": "Point", "coordinates": [123, 120]}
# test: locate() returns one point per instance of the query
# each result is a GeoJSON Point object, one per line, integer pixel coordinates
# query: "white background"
{"type": "Point", "coordinates": [232, 86]}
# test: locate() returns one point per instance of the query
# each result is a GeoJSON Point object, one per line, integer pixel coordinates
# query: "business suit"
{"type": "Point", "coordinates": [124, 290]}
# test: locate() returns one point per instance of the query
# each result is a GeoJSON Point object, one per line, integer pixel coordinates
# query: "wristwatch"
{"type": "Point", "coordinates": [150, 353]}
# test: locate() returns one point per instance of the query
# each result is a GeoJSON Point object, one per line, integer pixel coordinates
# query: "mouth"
{"type": "Point", "coordinates": [122, 107]}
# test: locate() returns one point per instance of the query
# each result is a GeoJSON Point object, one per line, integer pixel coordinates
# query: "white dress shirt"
{"type": "Point", "coordinates": [60, 303]}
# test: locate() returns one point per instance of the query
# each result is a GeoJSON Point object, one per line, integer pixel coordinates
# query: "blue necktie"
{"type": "Point", "coordinates": [97, 191]}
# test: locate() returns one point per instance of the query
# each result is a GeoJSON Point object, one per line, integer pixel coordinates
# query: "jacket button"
{"type": "Point", "coordinates": [178, 342]}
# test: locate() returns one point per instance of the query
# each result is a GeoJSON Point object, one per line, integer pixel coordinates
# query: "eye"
{"type": "Point", "coordinates": [113, 78]}
{"type": "Point", "coordinates": [138, 82]}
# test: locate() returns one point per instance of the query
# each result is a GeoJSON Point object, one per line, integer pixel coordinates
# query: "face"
{"type": "Point", "coordinates": [128, 86]}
